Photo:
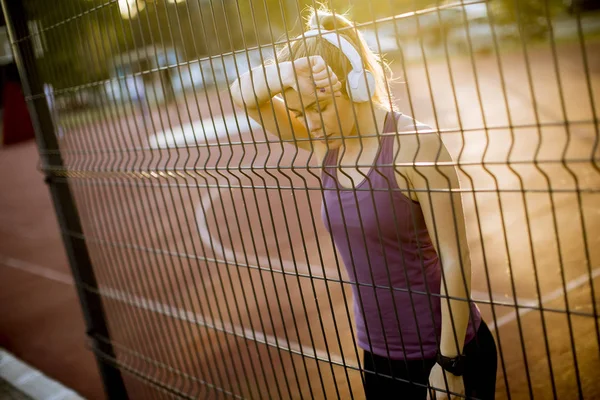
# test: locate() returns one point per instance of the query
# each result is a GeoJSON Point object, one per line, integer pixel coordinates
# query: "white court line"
{"type": "Point", "coordinates": [250, 334]}
{"type": "Point", "coordinates": [572, 284]}
{"type": "Point", "coordinates": [175, 312]}
{"type": "Point", "coordinates": [226, 253]}
{"type": "Point", "coordinates": [38, 270]}
{"type": "Point", "coordinates": [202, 130]}
{"type": "Point", "coordinates": [498, 297]}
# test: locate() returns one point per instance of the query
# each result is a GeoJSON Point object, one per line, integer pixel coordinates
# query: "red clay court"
{"type": "Point", "coordinates": [219, 278]}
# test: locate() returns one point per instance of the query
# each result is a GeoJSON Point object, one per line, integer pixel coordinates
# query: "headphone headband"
{"type": "Point", "coordinates": [343, 44]}
{"type": "Point", "coordinates": [360, 82]}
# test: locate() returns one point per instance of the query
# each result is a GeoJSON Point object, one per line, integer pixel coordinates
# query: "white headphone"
{"type": "Point", "coordinates": [360, 83]}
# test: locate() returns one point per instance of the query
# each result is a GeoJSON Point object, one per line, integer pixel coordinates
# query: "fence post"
{"type": "Point", "coordinates": [64, 205]}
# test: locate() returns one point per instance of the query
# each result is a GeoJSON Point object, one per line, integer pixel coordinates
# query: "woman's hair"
{"type": "Point", "coordinates": [333, 56]}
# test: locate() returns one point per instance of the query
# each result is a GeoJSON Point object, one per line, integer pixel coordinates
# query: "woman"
{"type": "Point", "coordinates": [322, 96]}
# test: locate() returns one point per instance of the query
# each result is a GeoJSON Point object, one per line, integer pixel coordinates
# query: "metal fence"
{"type": "Point", "coordinates": [199, 242]}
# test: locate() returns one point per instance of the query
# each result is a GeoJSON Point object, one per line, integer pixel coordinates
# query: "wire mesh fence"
{"type": "Point", "coordinates": [273, 203]}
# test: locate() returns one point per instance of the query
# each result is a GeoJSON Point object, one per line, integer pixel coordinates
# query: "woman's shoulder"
{"type": "Point", "coordinates": [419, 142]}
{"type": "Point", "coordinates": [407, 124]}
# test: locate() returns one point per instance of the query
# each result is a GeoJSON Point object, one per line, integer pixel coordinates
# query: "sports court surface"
{"type": "Point", "coordinates": [219, 277]}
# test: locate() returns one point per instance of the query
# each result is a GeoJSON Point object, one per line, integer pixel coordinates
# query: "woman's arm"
{"type": "Point", "coordinates": [445, 222]}
{"type": "Point", "coordinates": [257, 86]}
{"type": "Point", "coordinates": [255, 92]}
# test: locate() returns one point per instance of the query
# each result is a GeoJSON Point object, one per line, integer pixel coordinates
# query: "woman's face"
{"type": "Point", "coordinates": [327, 118]}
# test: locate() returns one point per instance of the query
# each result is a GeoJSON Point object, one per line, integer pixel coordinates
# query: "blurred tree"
{"type": "Point", "coordinates": [86, 34]}
{"type": "Point", "coordinates": [529, 15]}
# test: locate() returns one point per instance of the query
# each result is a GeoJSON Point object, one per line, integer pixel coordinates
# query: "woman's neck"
{"type": "Point", "coordinates": [370, 123]}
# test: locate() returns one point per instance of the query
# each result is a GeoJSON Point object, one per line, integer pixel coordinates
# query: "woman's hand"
{"type": "Point", "coordinates": [436, 380]}
{"type": "Point", "coordinates": [314, 75]}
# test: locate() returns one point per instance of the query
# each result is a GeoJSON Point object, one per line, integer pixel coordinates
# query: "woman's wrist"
{"type": "Point", "coordinates": [449, 351]}
{"type": "Point", "coordinates": [286, 73]}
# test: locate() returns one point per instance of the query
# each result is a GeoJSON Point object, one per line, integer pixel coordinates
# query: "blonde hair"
{"type": "Point", "coordinates": [315, 46]}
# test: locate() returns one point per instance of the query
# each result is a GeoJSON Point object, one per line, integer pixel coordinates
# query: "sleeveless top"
{"type": "Point", "coordinates": [395, 271]}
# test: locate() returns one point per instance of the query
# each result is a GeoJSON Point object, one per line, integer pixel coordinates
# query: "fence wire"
{"type": "Point", "coordinates": [255, 233]}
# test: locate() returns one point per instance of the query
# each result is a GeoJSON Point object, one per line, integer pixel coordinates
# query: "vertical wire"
{"type": "Point", "coordinates": [353, 188]}
{"type": "Point", "coordinates": [278, 249]}
{"type": "Point", "coordinates": [427, 290]}
{"type": "Point", "coordinates": [252, 238]}
{"type": "Point", "coordinates": [550, 196]}
{"type": "Point", "coordinates": [256, 202]}
{"type": "Point", "coordinates": [194, 176]}
{"type": "Point", "coordinates": [212, 246]}
{"type": "Point", "coordinates": [138, 217]}
{"type": "Point", "coordinates": [461, 129]}
{"type": "Point", "coordinates": [294, 256]}
{"type": "Point", "coordinates": [502, 219]}
{"type": "Point", "coordinates": [91, 227]}
{"type": "Point", "coordinates": [456, 223]}
{"type": "Point", "coordinates": [84, 209]}
{"type": "Point", "coordinates": [394, 156]}
{"type": "Point", "coordinates": [190, 231]}
{"type": "Point", "coordinates": [115, 207]}
{"type": "Point", "coordinates": [392, 115]}
{"type": "Point", "coordinates": [314, 231]}
{"type": "Point", "coordinates": [244, 297]}
{"type": "Point", "coordinates": [241, 235]}
{"type": "Point", "coordinates": [500, 205]}
{"type": "Point", "coordinates": [579, 199]}
{"type": "Point", "coordinates": [181, 360]}
{"type": "Point", "coordinates": [527, 219]}
{"type": "Point", "coordinates": [120, 310]}
{"type": "Point", "coordinates": [443, 278]}
{"type": "Point", "coordinates": [237, 308]}
{"type": "Point", "coordinates": [594, 165]}
{"type": "Point", "coordinates": [141, 174]}
{"type": "Point", "coordinates": [169, 90]}
{"type": "Point", "coordinates": [325, 209]}
{"type": "Point", "coordinates": [279, 350]}
{"type": "Point", "coordinates": [428, 190]}
{"type": "Point", "coordinates": [115, 202]}
{"type": "Point", "coordinates": [85, 167]}
{"type": "Point", "coordinates": [311, 279]}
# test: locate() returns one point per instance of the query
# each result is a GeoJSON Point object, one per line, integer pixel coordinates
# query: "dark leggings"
{"type": "Point", "coordinates": [479, 376]}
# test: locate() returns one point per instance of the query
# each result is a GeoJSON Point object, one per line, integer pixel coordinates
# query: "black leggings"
{"type": "Point", "coordinates": [479, 376]}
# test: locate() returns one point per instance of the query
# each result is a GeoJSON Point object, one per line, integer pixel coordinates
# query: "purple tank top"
{"type": "Point", "coordinates": [382, 238]}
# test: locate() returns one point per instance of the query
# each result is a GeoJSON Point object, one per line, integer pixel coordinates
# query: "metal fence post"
{"type": "Point", "coordinates": [64, 205]}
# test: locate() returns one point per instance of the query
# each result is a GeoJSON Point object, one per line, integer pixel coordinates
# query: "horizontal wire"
{"type": "Point", "coordinates": [312, 276]}
{"type": "Point", "coordinates": [148, 379]}
{"type": "Point", "coordinates": [229, 143]}
{"type": "Point", "coordinates": [87, 182]}
{"type": "Point", "coordinates": [194, 320]}
{"type": "Point", "coordinates": [183, 172]}
{"type": "Point", "coordinates": [170, 369]}
{"type": "Point", "coordinates": [65, 21]}
{"type": "Point", "coordinates": [280, 347]}
{"type": "Point", "coordinates": [159, 364]}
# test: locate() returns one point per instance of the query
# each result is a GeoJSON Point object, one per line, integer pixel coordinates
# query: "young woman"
{"type": "Point", "coordinates": [402, 240]}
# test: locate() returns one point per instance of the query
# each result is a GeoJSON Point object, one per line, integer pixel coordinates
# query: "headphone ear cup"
{"type": "Point", "coordinates": [359, 90]}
